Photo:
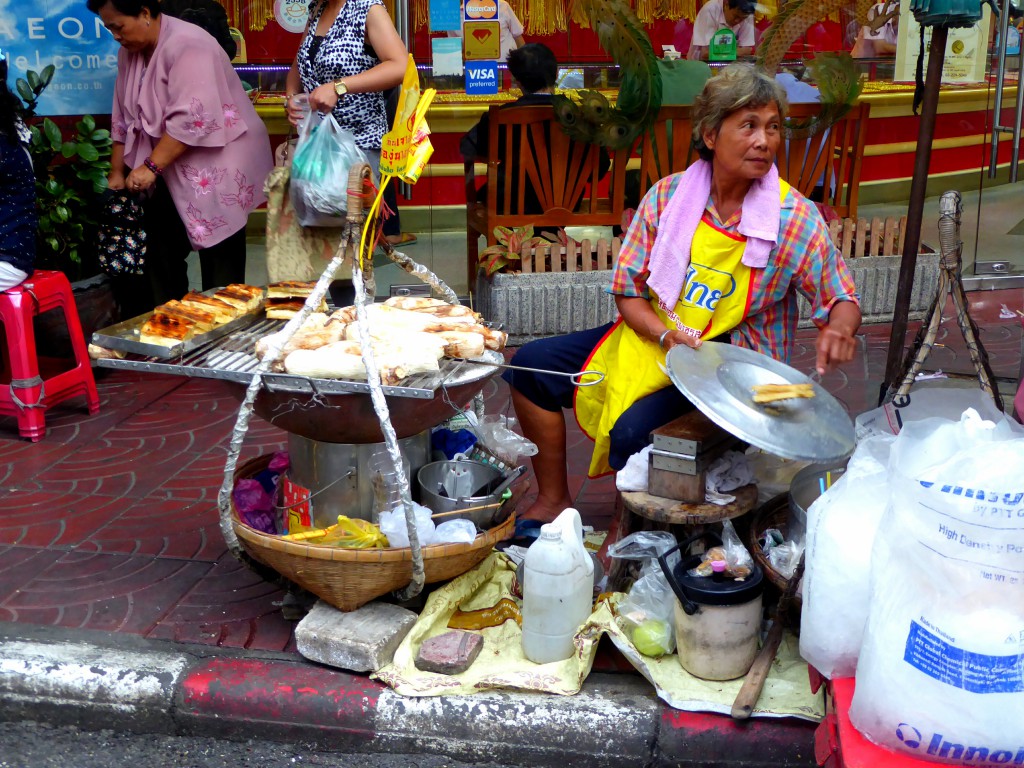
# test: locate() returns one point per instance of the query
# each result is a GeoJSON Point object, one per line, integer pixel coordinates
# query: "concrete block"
{"type": "Point", "coordinates": [540, 304]}
{"type": "Point", "coordinates": [363, 640]}
{"type": "Point", "coordinates": [449, 654]}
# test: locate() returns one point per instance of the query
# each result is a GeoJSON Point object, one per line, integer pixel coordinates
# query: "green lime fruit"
{"type": "Point", "coordinates": [651, 637]}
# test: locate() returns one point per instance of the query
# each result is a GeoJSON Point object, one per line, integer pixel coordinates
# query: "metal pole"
{"type": "Point", "coordinates": [918, 187]}
{"type": "Point", "coordinates": [1017, 120]}
{"type": "Point", "coordinates": [1004, 17]}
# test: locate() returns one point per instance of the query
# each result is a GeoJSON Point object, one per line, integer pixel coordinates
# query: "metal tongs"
{"type": "Point", "coordinates": [575, 378]}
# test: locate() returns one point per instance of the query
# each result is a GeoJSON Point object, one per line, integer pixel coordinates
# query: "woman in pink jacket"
{"type": "Point", "coordinates": [188, 139]}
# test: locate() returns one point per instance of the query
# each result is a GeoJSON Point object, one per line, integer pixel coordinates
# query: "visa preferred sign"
{"type": "Point", "coordinates": [66, 34]}
{"type": "Point", "coordinates": [481, 10]}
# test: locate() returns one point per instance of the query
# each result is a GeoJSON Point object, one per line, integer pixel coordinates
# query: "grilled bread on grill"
{"type": "Point", "coordinates": [203, 319]}
{"type": "Point", "coordinates": [284, 308]}
{"type": "Point", "coordinates": [223, 311]}
{"type": "Point", "coordinates": [165, 330]}
{"type": "Point", "coordinates": [243, 297]}
{"type": "Point", "coordinates": [290, 289]}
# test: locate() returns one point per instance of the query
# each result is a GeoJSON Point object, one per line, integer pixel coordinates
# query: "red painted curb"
{"type": "Point", "coordinates": [277, 691]}
{"type": "Point", "coordinates": [720, 740]}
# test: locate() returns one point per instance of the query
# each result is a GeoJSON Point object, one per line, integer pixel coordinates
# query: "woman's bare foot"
{"type": "Point", "coordinates": [546, 511]}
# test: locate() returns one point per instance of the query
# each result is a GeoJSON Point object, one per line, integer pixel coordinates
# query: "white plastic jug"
{"type": "Point", "coordinates": [558, 589]}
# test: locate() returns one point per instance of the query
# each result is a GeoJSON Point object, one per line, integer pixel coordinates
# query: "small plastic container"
{"type": "Point", "coordinates": [558, 589]}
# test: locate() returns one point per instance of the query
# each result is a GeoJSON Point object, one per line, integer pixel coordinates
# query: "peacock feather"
{"type": "Point", "coordinates": [591, 117]}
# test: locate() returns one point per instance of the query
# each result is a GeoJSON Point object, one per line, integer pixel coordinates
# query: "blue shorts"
{"type": "Point", "coordinates": [568, 354]}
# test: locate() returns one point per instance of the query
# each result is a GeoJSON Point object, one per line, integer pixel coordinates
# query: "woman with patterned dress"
{"type": "Point", "coordinates": [17, 190]}
{"type": "Point", "coordinates": [187, 137]}
{"type": "Point", "coordinates": [349, 57]}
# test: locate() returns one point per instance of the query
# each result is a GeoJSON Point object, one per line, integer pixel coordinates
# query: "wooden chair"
{"type": "Point", "coordinates": [859, 237]}
{"type": "Point", "coordinates": [831, 159]}
{"type": "Point", "coordinates": [527, 150]}
{"type": "Point", "coordinates": [667, 147]}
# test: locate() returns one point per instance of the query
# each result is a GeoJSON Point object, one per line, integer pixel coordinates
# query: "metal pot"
{"type": "Point", "coordinates": [481, 477]}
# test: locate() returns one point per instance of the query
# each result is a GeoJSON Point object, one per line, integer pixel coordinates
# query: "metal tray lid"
{"type": "Point", "coordinates": [718, 379]}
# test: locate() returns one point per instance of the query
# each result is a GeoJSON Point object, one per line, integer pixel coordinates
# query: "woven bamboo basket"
{"type": "Point", "coordinates": [774, 513]}
{"type": "Point", "coordinates": [350, 578]}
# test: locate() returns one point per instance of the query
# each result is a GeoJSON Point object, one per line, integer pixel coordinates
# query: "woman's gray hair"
{"type": "Point", "coordinates": [734, 87]}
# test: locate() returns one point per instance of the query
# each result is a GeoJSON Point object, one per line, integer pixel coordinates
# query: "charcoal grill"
{"type": "Point", "coordinates": [329, 410]}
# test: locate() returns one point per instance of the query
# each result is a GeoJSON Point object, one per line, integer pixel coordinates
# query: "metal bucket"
{"type": "Point", "coordinates": [349, 478]}
{"type": "Point", "coordinates": [432, 478]}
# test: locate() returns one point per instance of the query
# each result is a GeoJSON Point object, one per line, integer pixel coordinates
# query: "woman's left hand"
{"type": "Point", "coordinates": [140, 179]}
{"type": "Point", "coordinates": [323, 98]}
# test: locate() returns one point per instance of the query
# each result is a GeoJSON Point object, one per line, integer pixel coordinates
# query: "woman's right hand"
{"type": "Point", "coordinates": [116, 180]}
{"type": "Point", "coordinates": [675, 337]}
{"type": "Point", "coordinates": [295, 110]}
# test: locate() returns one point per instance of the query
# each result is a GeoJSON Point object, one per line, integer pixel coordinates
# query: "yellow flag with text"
{"type": "Point", "coordinates": [406, 148]}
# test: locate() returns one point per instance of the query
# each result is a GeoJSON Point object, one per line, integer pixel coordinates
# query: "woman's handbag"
{"type": "Point", "coordinates": [121, 236]}
{"type": "Point", "coordinates": [294, 252]}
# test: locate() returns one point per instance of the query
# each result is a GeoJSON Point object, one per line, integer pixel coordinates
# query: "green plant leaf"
{"type": "Point", "coordinates": [33, 78]}
{"type": "Point", "coordinates": [88, 152]}
{"type": "Point", "coordinates": [68, 149]}
{"type": "Point", "coordinates": [47, 74]}
{"type": "Point", "coordinates": [52, 133]}
{"type": "Point", "coordinates": [87, 124]}
{"type": "Point", "coordinates": [61, 213]}
{"type": "Point", "coordinates": [24, 90]}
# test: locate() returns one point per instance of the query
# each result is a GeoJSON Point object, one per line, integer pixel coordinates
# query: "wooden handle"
{"type": "Point", "coordinates": [751, 690]}
{"type": "Point", "coordinates": [467, 509]}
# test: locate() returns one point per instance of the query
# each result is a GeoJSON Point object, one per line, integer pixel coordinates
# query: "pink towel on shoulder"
{"type": "Point", "coordinates": [670, 256]}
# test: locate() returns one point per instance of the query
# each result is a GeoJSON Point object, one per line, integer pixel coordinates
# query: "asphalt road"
{"type": "Point", "coordinates": [31, 745]}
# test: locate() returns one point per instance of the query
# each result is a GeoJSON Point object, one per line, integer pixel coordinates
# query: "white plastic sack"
{"type": "Point", "coordinates": [925, 402]}
{"type": "Point", "coordinates": [319, 177]}
{"type": "Point", "coordinates": [941, 670]}
{"type": "Point", "coordinates": [841, 527]}
{"type": "Point", "coordinates": [635, 476]}
{"type": "Point", "coordinates": [394, 526]}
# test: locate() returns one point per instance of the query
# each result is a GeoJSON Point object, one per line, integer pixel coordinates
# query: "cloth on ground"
{"type": "Point", "coordinates": [635, 475]}
{"type": "Point", "coordinates": [501, 664]}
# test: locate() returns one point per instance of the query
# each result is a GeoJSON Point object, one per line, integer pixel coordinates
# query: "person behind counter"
{"type": "Point", "coordinates": [880, 41]}
{"type": "Point", "coordinates": [349, 57]}
{"type": "Point", "coordinates": [18, 217]}
{"type": "Point", "coordinates": [759, 242]}
{"type": "Point", "coordinates": [737, 15]}
{"type": "Point", "coordinates": [187, 137]}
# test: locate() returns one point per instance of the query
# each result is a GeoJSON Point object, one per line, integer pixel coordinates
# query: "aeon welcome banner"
{"type": "Point", "coordinates": [34, 33]}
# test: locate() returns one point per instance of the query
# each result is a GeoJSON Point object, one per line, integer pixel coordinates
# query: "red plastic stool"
{"type": "Point", "coordinates": [28, 395]}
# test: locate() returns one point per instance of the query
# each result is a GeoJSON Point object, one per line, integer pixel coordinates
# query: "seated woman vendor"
{"type": "Point", "coordinates": [720, 252]}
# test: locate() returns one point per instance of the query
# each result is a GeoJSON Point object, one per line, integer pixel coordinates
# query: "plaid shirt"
{"type": "Point", "coordinates": [804, 262]}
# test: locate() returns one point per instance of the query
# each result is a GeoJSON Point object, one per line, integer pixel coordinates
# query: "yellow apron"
{"type": "Point", "coordinates": [715, 299]}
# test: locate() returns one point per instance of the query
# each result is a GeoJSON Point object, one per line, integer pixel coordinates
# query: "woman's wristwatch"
{"type": "Point", "coordinates": [340, 88]}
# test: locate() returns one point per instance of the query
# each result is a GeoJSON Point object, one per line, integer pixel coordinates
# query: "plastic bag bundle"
{"type": "Point", "coordinates": [841, 528]}
{"type": "Point", "coordinates": [319, 180]}
{"type": "Point", "coordinates": [941, 669]}
{"type": "Point", "coordinates": [393, 525]}
{"type": "Point", "coordinates": [646, 611]}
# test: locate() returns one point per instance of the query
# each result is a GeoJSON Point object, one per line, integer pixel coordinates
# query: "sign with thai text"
{"type": "Point", "coordinates": [67, 35]}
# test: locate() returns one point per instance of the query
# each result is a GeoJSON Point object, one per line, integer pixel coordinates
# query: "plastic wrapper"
{"type": "Point", "coordinates": [783, 555]}
{"type": "Point", "coordinates": [496, 436]}
{"type": "Point", "coordinates": [354, 534]}
{"type": "Point", "coordinates": [393, 525]}
{"type": "Point", "coordinates": [254, 505]}
{"type": "Point", "coordinates": [319, 178]}
{"type": "Point", "coordinates": [647, 610]}
{"type": "Point", "coordinates": [738, 562]}
{"type": "Point", "coordinates": [455, 532]}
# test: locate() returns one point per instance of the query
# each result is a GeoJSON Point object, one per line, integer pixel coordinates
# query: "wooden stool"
{"type": "Point", "coordinates": [27, 395]}
{"type": "Point", "coordinates": [642, 511]}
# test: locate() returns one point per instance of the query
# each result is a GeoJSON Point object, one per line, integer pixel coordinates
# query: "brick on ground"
{"type": "Point", "coordinates": [363, 640]}
{"type": "Point", "coordinates": [449, 654]}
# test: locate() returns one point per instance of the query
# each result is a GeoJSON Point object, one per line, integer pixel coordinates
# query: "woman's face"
{"type": "Point", "coordinates": [747, 141]}
{"type": "Point", "coordinates": [132, 32]}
